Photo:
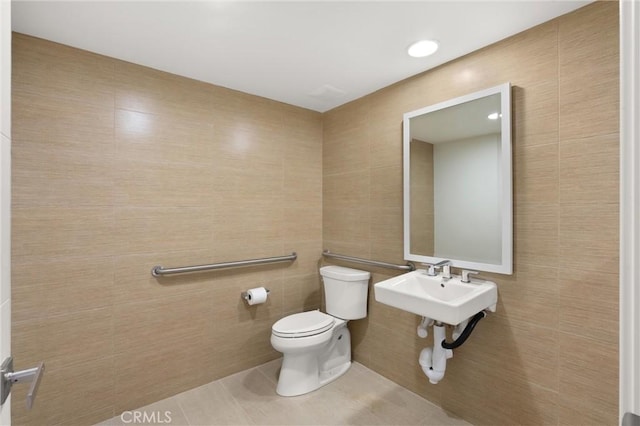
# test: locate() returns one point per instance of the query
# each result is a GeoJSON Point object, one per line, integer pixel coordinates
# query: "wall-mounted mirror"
{"type": "Point", "coordinates": [457, 182]}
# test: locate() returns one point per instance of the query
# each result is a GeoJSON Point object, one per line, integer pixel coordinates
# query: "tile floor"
{"type": "Point", "coordinates": [360, 397]}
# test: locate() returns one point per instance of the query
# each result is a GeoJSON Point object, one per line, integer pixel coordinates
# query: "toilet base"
{"type": "Point", "coordinates": [329, 376]}
{"type": "Point", "coordinates": [305, 372]}
{"type": "Point", "coordinates": [296, 379]}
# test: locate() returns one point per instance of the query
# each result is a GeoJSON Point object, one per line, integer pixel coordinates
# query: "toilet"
{"type": "Point", "coordinates": [316, 347]}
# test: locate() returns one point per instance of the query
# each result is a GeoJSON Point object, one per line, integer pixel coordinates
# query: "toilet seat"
{"type": "Point", "coordinates": [304, 324]}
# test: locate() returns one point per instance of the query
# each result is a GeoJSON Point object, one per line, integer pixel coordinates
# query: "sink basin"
{"type": "Point", "coordinates": [448, 301]}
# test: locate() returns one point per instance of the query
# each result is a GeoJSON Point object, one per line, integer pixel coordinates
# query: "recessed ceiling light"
{"type": "Point", "coordinates": [494, 116]}
{"type": "Point", "coordinates": [422, 48]}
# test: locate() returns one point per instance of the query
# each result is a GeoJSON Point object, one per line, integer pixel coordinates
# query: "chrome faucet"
{"type": "Point", "coordinates": [465, 275]}
{"type": "Point", "coordinates": [446, 269]}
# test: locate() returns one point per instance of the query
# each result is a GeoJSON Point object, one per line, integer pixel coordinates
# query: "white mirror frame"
{"type": "Point", "coordinates": [506, 265]}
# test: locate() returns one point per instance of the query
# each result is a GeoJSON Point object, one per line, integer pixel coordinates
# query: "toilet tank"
{"type": "Point", "coordinates": [345, 291]}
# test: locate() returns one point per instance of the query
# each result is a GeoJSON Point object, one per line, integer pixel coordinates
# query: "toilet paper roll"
{"type": "Point", "coordinates": [257, 295]}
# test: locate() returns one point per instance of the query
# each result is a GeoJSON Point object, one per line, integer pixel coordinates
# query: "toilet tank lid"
{"type": "Point", "coordinates": [344, 274]}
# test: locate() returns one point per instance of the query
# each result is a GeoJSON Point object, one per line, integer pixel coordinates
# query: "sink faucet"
{"type": "Point", "coordinates": [446, 269]}
{"type": "Point", "coordinates": [465, 275]}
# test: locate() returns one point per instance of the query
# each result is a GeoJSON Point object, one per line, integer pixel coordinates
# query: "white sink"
{"type": "Point", "coordinates": [448, 301]}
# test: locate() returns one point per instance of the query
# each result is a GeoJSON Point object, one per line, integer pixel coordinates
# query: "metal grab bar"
{"type": "Point", "coordinates": [408, 267]}
{"type": "Point", "coordinates": [158, 271]}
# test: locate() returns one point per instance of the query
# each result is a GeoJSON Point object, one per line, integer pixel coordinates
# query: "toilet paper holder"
{"type": "Point", "coordinates": [245, 294]}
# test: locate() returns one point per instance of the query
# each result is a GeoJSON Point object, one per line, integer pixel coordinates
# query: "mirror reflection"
{"type": "Point", "coordinates": [458, 182]}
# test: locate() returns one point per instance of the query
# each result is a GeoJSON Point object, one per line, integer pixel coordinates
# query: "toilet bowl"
{"type": "Point", "coordinates": [316, 347]}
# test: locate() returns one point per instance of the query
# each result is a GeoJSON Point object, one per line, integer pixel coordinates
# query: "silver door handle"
{"type": "Point", "coordinates": [8, 377]}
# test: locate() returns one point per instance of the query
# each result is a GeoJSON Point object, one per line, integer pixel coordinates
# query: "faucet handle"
{"type": "Point", "coordinates": [444, 264]}
{"type": "Point", "coordinates": [431, 269]}
{"type": "Point", "coordinates": [465, 275]}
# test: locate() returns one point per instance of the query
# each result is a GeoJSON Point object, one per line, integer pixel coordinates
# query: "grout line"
{"type": "Point", "coordinates": [259, 368]}
{"type": "Point", "coordinates": [236, 402]}
{"type": "Point", "coordinates": [184, 412]}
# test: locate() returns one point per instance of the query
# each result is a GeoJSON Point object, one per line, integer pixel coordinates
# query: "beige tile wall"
{"type": "Point", "coordinates": [549, 354]}
{"type": "Point", "coordinates": [117, 168]}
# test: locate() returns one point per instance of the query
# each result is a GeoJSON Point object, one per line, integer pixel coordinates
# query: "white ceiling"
{"type": "Point", "coordinates": [316, 55]}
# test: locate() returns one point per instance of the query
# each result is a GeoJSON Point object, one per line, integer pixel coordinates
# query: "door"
{"type": "Point", "coordinates": [5, 193]}
{"type": "Point", "coordinates": [629, 213]}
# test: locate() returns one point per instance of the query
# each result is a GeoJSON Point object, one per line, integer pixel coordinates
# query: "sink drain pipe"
{"type": "Point", "coordinates": [434, 360]}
